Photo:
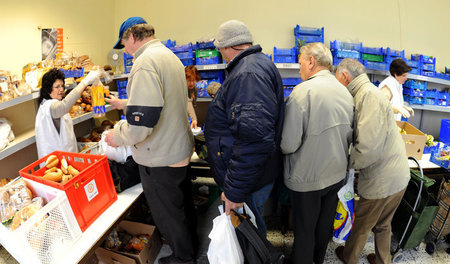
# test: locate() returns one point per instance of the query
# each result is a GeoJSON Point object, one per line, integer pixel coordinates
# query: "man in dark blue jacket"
{"type": "Point", "coordinates": [244, 122]}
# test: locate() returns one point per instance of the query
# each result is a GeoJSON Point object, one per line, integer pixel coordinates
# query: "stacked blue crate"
{"type": "Point", "coordinates": [213, 75]}
{"type": "Point", "coordinates": [289, 84]}
{"type": "Point", "coordinates": [431, 97]}
{"type": "Point", "coordinates": [342, 50]}
{"type": "Point", "coordinates": [392, 54]}
{"type": "Point", "coordinates": [427, 64]}
{"type": "Point", "coordinates": [443, 98]}
{"type": "Point", "coordinates": [73, 73]}
{"type": "Point", "coordinates": [122, 89]}
{"type": "Point", "coordinates": [414, 92]}
{"type": "Point", "coordinates": [308, 35]}
{"type": "Point", "coordinates": [202, 88]}
{"type": "Point", "coordinates": [127, 62]}
{"type": "Point", "coordinates": [185, 53]}
{"type": "Point", "coordinates": [205, 48]}
{"type": "Point", "coordinates": [285, 55]}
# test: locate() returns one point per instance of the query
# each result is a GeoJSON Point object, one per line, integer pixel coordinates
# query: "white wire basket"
{"type": "Point", "coordinates": [47, 235]}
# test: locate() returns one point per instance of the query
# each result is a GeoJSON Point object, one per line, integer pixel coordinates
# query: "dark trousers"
{"type": "Point", "coordinates": [313, 216]}
{"type": "Point", "coordinates": [168, 191]}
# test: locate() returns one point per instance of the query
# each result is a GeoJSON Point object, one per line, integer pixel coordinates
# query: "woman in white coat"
{"type": "Point", "coordinates": [392, 87]}
{"type": "Point", "coordinates": [54, 126]}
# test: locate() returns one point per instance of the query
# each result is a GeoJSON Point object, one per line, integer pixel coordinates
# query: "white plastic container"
{"type": "Point", "coordinates": [48, 234]}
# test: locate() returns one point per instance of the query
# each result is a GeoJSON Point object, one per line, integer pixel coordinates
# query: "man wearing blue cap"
{"type": "Point", "coordinates": [158, 131]}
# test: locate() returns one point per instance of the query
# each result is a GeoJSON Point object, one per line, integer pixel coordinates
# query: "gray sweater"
{"type": "Point", "coordinates": [379, 150]}
{"type": "Point", "coordinates": [317, 133]}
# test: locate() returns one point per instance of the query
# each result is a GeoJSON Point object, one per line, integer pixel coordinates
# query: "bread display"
{"type": "Point", "coordinates": [62, 173]}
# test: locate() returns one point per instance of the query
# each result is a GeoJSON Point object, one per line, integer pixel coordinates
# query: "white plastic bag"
{"type": "Point", "coordinates": [224, 247]}
{"type": "Point", "coordinates": [119, 154]}
{"type": "Point", "coordinates": [345, 211]}
{"type": "Point", "coordinates": [6, 133]}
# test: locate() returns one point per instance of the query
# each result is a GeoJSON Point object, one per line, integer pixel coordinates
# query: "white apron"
{"type": "Point", "coordinates": [47, 137]}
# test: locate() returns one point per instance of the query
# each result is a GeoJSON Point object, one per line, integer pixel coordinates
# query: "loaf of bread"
{"type": "Point", "coordinates": [52, 161]}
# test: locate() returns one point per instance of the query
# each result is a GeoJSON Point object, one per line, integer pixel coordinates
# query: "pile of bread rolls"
{"type": "Point", "coordinates": [62, 173]}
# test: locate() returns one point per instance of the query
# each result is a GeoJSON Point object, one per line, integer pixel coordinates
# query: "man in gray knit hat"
{"type": "Point", "coordinates": [244, 122]}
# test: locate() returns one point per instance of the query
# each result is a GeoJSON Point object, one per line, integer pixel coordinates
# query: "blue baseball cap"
{"type": "Point", "coordinates": [126, 25]}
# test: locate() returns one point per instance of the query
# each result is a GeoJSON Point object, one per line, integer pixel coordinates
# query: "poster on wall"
{"type": "Point", "coordinates": [52, 42]}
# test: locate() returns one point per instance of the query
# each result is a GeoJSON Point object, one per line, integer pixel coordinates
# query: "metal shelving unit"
{"type": "Point", "coordinates": [24, 140]}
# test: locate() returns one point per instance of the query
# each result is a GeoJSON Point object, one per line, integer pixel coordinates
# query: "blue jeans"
{"type": "Point", "coordinates": [256, 204]}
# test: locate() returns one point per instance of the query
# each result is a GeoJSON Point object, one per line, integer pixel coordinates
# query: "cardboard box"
{"type": "Point", "coordinates": [414, 140]}
{"type": "Point", "coordinates": [150, 252]}
{"type": "Point", "coordinates": [106, 256]}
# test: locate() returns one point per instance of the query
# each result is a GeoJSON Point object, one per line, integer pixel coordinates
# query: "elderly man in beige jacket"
{"type": "Point", "coordinates": [379, 154]}
{"type": "Point", "coordinates": [317, 132]}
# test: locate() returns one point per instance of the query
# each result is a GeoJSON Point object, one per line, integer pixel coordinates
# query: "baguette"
{"type": "Point", "coordinates": [52, 161]}
{"type": "Point", "coordinates": [54, 176]}
{"type": "Point", "coordinates": [74, 172]}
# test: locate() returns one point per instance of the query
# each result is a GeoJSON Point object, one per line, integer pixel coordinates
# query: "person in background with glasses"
{"type": "Point", "coordinates": [244, 122]}
{"type": "Point", "coordinates": [54, 126]}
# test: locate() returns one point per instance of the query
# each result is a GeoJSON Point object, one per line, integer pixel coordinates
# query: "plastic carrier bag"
{"type": "Point", "coordinates": [224, 247]}
{"type": "Point", "coordinates": [345, 211]}
{"type": "Point", "coordinates": [119, 154]}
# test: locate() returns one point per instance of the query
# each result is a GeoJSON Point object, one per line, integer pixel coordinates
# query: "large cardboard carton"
{"type": "Point", "coordinates": [106, 256]}
{"type": "Point", "coordinates": [414, 140]}
{"type": "Point", "coordinates": [151, 250]}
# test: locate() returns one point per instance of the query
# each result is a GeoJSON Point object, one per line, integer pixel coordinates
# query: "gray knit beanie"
{"type": "Point", "coordinates": [232, 33]}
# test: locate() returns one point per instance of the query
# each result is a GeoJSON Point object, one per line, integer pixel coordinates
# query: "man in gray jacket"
{"type": "Point", "coordinates": [158, 131]}
{"type": "Point", "coordinates": [380, 156]}
{"type": "Point", "coordinates": [316, 136]}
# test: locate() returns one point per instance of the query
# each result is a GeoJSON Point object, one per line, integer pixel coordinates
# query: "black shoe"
{"type": "Point", "coordinates": [174, 260]}
{"type": "Point", "coordinates": [340, 253]}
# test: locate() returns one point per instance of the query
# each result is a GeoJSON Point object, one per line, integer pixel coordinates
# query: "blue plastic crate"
{"type": "Point", "coordinates": [127, 59]}
{"type": "Point", "coordinates": [284, 52]}
{"type": "Point", "coordinates": [73, 73]}
{"type": "Point", "coordinates": [308, 39]}
{"type": "Point", "coordinates": [339, 45]}
{"type": "Point", "coordinates": [381, 66]}
{"type": "Point", "coordinates": [121, 84]}
{"type": "Point", "coordinates": [428, 67]}
{"type": "Point", "coordinates": [442, 102]}
{"type": "Point", "coordinates": [287, 92]}
{"type": "Point", "coordinates": [412, 63]}
{"type": "Point", "coordinates": [185, 55]}
{"type": "Point", "coordinates": [430, 149]}
{"type": "Point", "coordinates": [347, 54]}
{"type": "Point", "coordinates": [298, 30]}
{"type": "Point", "coordinates": [374, 51]}
{"type": "Point", "coordinates": [414, 99]}
{"type": "Point", "coordinates": [413, 92]}
{"type": "Point", "coordinates": [444, 133]}
{"type": "Point", "coordinates": [430, 101]}
{"type": "Point", "coordinates": [427, 73]}
{"type": "Point", "coordinates": [205, 45]}
{"type": "Point", "coordinates": [181, 48]}
{"type": "Point", "coordinates": [169, 43]}
{"type": "Point", "coordinates": [187, 62]}
{"type": "Point", "coordinates": [394, 53]}
{"type": "Point", "coordinates": [337, 60]}
{"type": "Point", "coordinates": [208, 75]}
{"type": "Point", "coordinates": [415, 71]}
{"type": "Point", "coordinates": [442, 76]}
{"type": "Point", "coordinates": [291, 81]}
{"type": "Point", "coordinates": [431, 93]}
{"type": "Point", "coordinates": [285, 59]}
{"type": "Point", "coordinates": [443, 95]}
{"type": "Point", "coordinates": [421, 85]}
{"type": "Point", "coordinates": [423, 58]}
{"type": "Point", "coordinates": [208, 60]}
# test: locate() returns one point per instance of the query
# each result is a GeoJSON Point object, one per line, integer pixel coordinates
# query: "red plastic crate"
{"type": "Point", "coordinates": [89, 193]}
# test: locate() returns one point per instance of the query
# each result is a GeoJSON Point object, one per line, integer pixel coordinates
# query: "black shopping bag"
{"type": "Point", "coordinates": [255, 246]}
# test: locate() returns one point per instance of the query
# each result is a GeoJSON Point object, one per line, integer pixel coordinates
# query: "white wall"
{"type": "Point", "coordinates": [88, 29]}
{"type": "Point", "coordinates": [91, 27]}
{"type": "Point", "coordinates": [414, 25]}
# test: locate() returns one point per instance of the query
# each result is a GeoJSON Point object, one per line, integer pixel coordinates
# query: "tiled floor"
{"type": "Point", "coordinates": [284, 243]}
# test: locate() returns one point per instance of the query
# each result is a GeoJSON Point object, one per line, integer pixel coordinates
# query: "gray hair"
{"type": "Point", "coordinates": [351, 66]}
{"type": "Point", "coordinates": [319, 52]}
{"type": "Point", "coordinates": [139, 31]}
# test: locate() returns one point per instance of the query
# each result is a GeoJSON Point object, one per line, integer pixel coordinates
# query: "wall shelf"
{"type": "Point", "coordinates": [210, 67]}
{"type": "Point", "coordinates": [24, 140]}
{"type": "Point", "coordinates": [19, 100]}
